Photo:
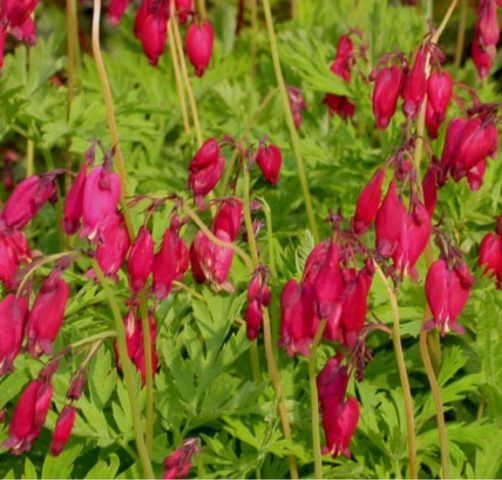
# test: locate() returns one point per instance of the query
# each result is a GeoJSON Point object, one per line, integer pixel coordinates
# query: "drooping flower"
{"type": "Point", "coordinates": [269, 160]}
{"type": "Point", "coordinates": [63, 429]}
{"type": "Point", "coordinates": [140, 261]}
{"type": "Point", "coordinates": [385, 95]}
{"type": "Point", "coordinates": [258, 296]}
{"type": "Point", "coordinates": [184, 8]}
{"type": "Point", "coordinates": [116, 10]}
{"type": "Point", "coordinates": [415, 85]}
{"type": "Point", "coordinates": [439, 93]}
{"type": "Point", "coordinates": [229, 217]}
{"type": "Point", "coordinates": [74, 202]}
{"type": "Point", "coordinates": [447, 290]}
{"type": "Point", "coordinates": [490, 253]}
{"type": "Point", "coordinates": [154, 36]}
{"type": "Point", "coordinates": [47, 315]}
{"type": "Point", "coordinates": [368, 202]}
{"type": "Point", "coordinates": [13, 316]}
{"type": "Point", "coordinates": [199, 46]}
{"type": "Point", "coordinates": [339, 105]}
{"type": "Point", "coordinates": [29, 417]}
{"type": "Point", "coordinates": [14, 250]}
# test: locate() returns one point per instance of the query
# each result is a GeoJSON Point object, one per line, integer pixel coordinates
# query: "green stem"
{"type": "Point", "coordinates": [438, 403]}
{"type": "Point", "coordinates": [314, 401]}
{"type": "Point", "coordinates": [403, 374]}
{"type": "Point", "coordinates": [128, 370]}
{"type": "Point", "coordinates": [255, 362]}
{"type": "Point", "coordinates": [110, 115]}
{"type": "Point", "coordinates": [30, 158]}
{"type": "Point", "coordinates": [270, 237]}
{"type": "Point", "coordinates": [93, 338]}
{"type": "Point", "coordinates": [459, 47]}
{"type": "Point", "coordinates": [147, 347]}
{"type": "Point", "coordinates": [254, 38]}
{"type": "Point", "coordinates": [248, 222]}
{"type": "Point", "coordinates": [295, 140]}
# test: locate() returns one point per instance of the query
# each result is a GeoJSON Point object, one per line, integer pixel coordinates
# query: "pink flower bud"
{"type": "Point", "coordinates": [298, 321]}
{"type": "Point", "coordinates": [179, 463]}
{"type": "Point", "coordinates": [389, 223]}
{"type": "Point", "coordinates": [62, 431]}
{"type": "Point", "coordinates": [368, 202]}
{"type": "Point", "coordinates": [28, 417]}
{"type": "Point", "coordinates": [139, 264]}
{"type": "Point", "coordinates": [269, 160]}
{"type": "Point", "coordinates": [154, 36]}
{"type": "Point", "coordinates": [415, 85]}
{"type": "Point", "coordinates": [199, 46]}
{"type": "Point", "coordinates": [26, 32]}
{"type": "Point", "coordinates": [490, 256]}
{"type": "Point", "coordinates": [447, 292]}
{"type": "Point", "coordinates": [113, 246]}
{"type": "Point", "coordinates": [206, 168]}
{"type": "Point", "coordinates": [77, 385]}
{"type": "Point", "coordinates": [385, 95]}
{"type": "Point", "coordinates": [487, 25]}
{"type": "Point", "coordinates": [116, 10]}
{"type": "Point", "coordinates": [101, 199]}
{"type": "Point", "coordinates": [297, 104]}
{"type": "Point", "coordinates": [253, 319]}
{"type": "Point", "coordinates": [184, 7]}
{"type": "Point", "coordinates": [229, 217]}
{"type": "Point", "coordinates": [439, 93]}
{"type": "Point", "coordinates": [16, 12]}
{"type": "Point", "coordinates": [26, 200]}
{"type": "Point", "coordinates": [13, 316]}
{"type": "Point", "coordinates": [46, 316]}
{"type": "Point", "coordinates": [258, 296]}
{"type": "Point", "coordinates": [170, 263]}
{"type": "Point", "coordinates": [3, 39]}
{"type": "Point", "coordinates": [429, 186]}
{"type": "Point", "coordinates": [73, 203]}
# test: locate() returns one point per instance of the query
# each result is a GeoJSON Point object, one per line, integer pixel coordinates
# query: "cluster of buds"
{"type": "Point", "coordinates": [339, 416]}
{"type": "Point", "coordinates": [150, 27]}
{"type": "Point", "coordinates": [447, 288]}
{"type": "Point", "coordinates": [484, 46]}
{"type": "Point", "coordinates": [15, 18]}
{"type": "Point", "coordinates": [341, 67]}
{"type": "Point", "coordinates": [179, 463]}
{"type": "Point", "coordinates": [490, 253]}
{"type": "Point", "coordinates": [332, 289]}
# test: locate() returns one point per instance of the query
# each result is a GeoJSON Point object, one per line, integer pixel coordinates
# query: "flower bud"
{"type": "Point", "coordinates": [14, 250]}
{"type": "Point", "coordinates": [179, 463]}
{"type": "Point", "coordinates": [487, 25]}
{"type": "Point", "coordinates": [46, 316]}
{"type": "Point", "coordinates": [342, 63]}
{"type": "Point", "coordinates": [154, 36]}
{"type": "Point", "coordinates": [269, 160]}
{"type": "Point", "coordinates": [429, 187]}
{"type": "Point", "coordinates": [139, 264]}
{"type": "Point", "coordinates": [490, 256]}
{"type": "Point", "coordinates": [62, 431]}
{"type": "Point", "coordinates": [199, 46]}
{"type": "Point", "coordinates": [28, 417]}
{"type": "Point", "coordinates": [13, 316]}
{"type": "Point", "coordinates": [368, 202]}
{"type": "Point", "coordinates": [415, 86]}
{"type": "Point", "coordinates": [385, 95]}
{"type": "Point", "coordinates": [184, 8]}
{"type": "Point", "coordinates": [339, 105]}
{"type": "Point", "coordinates": [483, 57]}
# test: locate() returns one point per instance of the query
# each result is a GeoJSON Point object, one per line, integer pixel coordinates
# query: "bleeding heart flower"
{"type": "Point", "coordinates": [199, 46]}
{"type": "Point", "coordinates": [139, 264]}
{"type": "Point", "coordinates": [269, 160]}
{"type": "Point", "coordinates": [179, 463]}
{"type": "Point", "coordinates": [385, 95]}
{"type": "Point", "coordinates": [368, 202]}
{"type": "Point", "coordinates": [415, 85]}
{"type": "Point", "coordinates": [63, 429]}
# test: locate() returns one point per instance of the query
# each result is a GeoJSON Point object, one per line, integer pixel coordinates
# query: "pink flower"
{"type": "Point", "coordinates": [258, 296]}
{"type": "Point", "coordinates": [206, 168]}
{"type": "Point", "coordinates": [14, 250]}
{"type": "Point", "coordinates": [28, 417]}
{"type": "Point", "coordinates": [339, 417]}
{"type": "Point", "coordinates": [73, 203]}
{"type": "Point", "coordinates": [140, 262]}
{"type": "Point", "coordinates": [47, 315]}
{"type": "Point", "coordinates": [63, 429]}
{"type": "Point", "coordinates": [26, 200]}
{"type": "Point", "coordinates": [385, 95]}
{"type": "Point", "coordinates": [415, 86]}
{"type": "Point", "coordinates": [170, 263]}
{"type": "Point", "coordinates": [339, 105]}
{"type": "Point", "coordinates": [343, 58]}
{"type": "Point", "coordinates": [179, 463]}
{"type": "Point", "coordinates": [269, 161]}
{"type": "Point", "coordinates": [101, 199]}
{"type": "Point", "coordinates": [113, 245]}
{"type": "Point", "coordinates": [229, 217]}
{"type": "Point", "coordinates": [13, 316]}
{"type": "Point", "coordinates": [116, 10]}
{"type": "Point", "coordinates": [429, 186]}
{"type": "Point", "coordinates": [199, 46]}
{"type": "Point", "coordinates": [447, 290]}
{"type": "Point", "coordinates": [483, 57]}
{"type": "Point", "coordinates": [184, 8]}
{"type": "Point", "coordinates": [439, 93]}
{"type": "Point", "coordinates": [368, 202]}
{"type": "Point", "coordinates": [154, 36]}
{"type": "Point", "coordinates": [490, 254]}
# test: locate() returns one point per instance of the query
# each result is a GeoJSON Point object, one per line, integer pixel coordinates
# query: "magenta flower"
{"type": "Point", "coordinates": [184, 8]}
{"type": "Point", "coordinates": [140, 262]}
{"type": "Point", "coordinates": [74, 202]}
{"type": "Point", "coordinates": [229, 217]}
{"type": "Point", "coordinates": [368, 202]}
{"type": "Point", "coordinates": [63, 429]}
{"type": "Point", "coordinates": [269, 161]}
{"type": "Point", "coordinates": [385, 95]}
{"type": "Point", "coordinates": [179, 463]}
{"type": "Point", "coordinates": [415, 85]}
{"type": "Point", "coordinates": [154, 36]}
{"type": "Point", "coordinates": [490, 253]}
{"type": "Point", "coordinates": [258, 296]}
{"type": "Point", "coordinates": [199, 46]}
{"type": "Point", "coordinates": [14, 250]}
{"type": "Point", "coordinates": [116, 10]}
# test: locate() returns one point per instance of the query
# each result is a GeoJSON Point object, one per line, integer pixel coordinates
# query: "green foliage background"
{"type": "Point", "coordinates": [204, 387]}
